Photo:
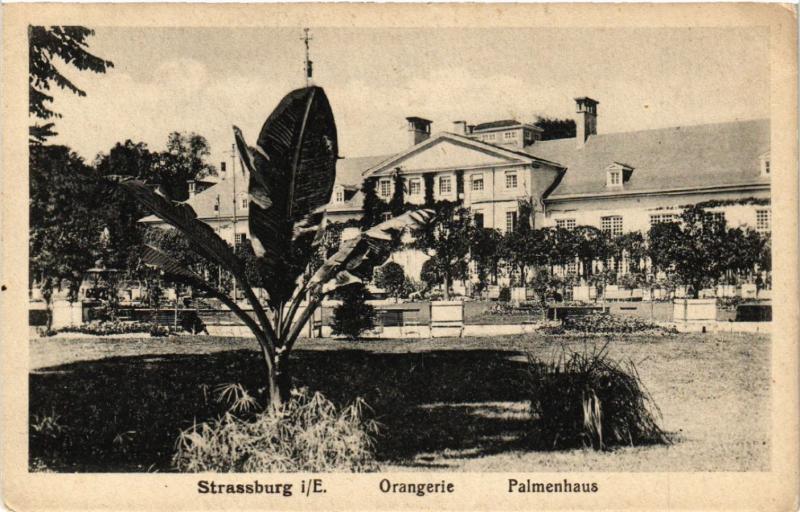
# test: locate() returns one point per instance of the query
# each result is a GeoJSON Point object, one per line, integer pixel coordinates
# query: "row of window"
{"type": "Point", "coordinates": [445, 185]}
{"type": "Point", "coordinates": [243, 204]}
{"type": "Point", "coordinates": [612, 224]}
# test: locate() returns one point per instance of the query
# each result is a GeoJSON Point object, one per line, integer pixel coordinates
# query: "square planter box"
{"type": "Point", "coordinates": [584, 293]}
{"type": "Point", "coordinates": [447, 318]}
{"type": "Point", "coordinates": [694, 310]}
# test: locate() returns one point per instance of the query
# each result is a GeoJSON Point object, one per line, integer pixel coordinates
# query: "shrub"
{"type": "Point", "coordinates": [505, 294]}
{"type": "Point", "coordinates": [392, 278]}
{"type": "Point", "coordinates": [353, 316]}
{"type": "Point", "coordinates": [586, 399]}
{"type": "Point", "coordinates": [308, 435]}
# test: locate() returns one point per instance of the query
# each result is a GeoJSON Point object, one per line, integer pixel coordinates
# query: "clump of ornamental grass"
{"type": "Point", "coordinates": [587, 399]}
{"type": "Point", "coordinates": [309, 434]}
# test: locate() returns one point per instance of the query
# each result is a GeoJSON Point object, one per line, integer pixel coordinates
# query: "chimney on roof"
{"type": "Point", "coordinates": [460, 127]}
{"type": "Point", "coordinates": [586, 124]}
{"type": "Point", "coordinates": [419, 129]}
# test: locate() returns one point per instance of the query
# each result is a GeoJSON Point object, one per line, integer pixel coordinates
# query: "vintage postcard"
{"type": "Point", "coordinates": [364, 256]}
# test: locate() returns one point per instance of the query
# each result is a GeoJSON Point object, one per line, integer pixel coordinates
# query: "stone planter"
{"type": "Point", "coordinates": [447, 319]}
{"type": "Point", "coordinates": [694, 310]}
{"type": "Point", "coordinates": [519, 294]}
{"type": "Point", "coordinates": [584, 293]}
{"type": "Point", "coordinates": [67, 314]}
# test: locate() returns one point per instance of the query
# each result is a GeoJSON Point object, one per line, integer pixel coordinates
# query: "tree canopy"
{"type": "Point", "coordinates": [48, 45]}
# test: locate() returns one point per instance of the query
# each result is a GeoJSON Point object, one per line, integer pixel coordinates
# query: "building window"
{"type": "Point", "coordinates": [511, 180]}
{"type": "Point", "coordinates": [572, 267]}
{"type": "Point", "coordinates": [718, 216]}
{"type": "Point", "coordinates": [244, 203]}
{"type": "Point", "coordinates": [477, 219]}
{"type": "Point", "coordinates": [385, 189]}
{"type": "Point", "coordinates": [216, 205]}
{"type": "Point", "coordinates": [509, 135]}
{"type": "Point", "coordinates": [511, 221]}
{"type": "Point", "coordinates": [239, 238]}
{"type": "Point", "coordinates": [611, 225]}
{"type": "Point", "coordinates": [614, 178]}
{"type": "Point", "coordinates": [763, 221]}
{"type": "Point", "coordinates": [414, 187]}
{"type": "Point", "coordinates": [477, 182]}
{"type": "Point", "coordinates": [662, 218]}
{"type": "Point", "coordinates": [765, 165]}
{"type": "Point", "coordinates": [386, 216]}
{"type": "Point", "coordinates": [565, 223]}
{"type": "Point", "coordinates": [339, 197]}
{"type": "Point", "coordinates": [444, 185]}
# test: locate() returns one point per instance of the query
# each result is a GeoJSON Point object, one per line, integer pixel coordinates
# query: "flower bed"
{"type": "Point", "coordinates": [604, 323]}
{"type": "Point", "coordinates": [109, 327]}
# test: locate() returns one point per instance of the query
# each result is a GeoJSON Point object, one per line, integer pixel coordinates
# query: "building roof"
{"type": "Point", "coordinates": [712, 155]}
{"type": "Point", "coordinates": [496, 124]}
{"type": "Point", "coordinates": [349, 170]}
{"type": "Point", "coordinates": [203, 202]}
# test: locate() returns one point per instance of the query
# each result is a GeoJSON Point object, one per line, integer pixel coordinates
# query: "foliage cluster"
{"type": "Point", "coordinates": [353, 316]}
{"type": "Point", "coordinates": [587, 399]}
{"type": "Point", "coordinates": [309, 435]}
{"type": "Point", "coordinates": [108, 327]}
{"type": "Point", "coordinates": [604, 323]}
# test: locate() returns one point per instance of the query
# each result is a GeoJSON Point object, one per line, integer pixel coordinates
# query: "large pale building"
{"type": "Point", "coordinates": [617, 182]}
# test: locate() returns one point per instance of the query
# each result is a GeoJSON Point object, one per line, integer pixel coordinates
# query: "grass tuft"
{"type": "Point", "coordinates": [308, 435]}
{"type": "Point", "coordinates": [586, 399]}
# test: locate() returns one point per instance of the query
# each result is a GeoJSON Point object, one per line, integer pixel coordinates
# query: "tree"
{"type": "Point", "coordinates": [695, 248]}
{"type": "Point", "coordinates": [353, 316]}
{"type": "Point", "coordinates": [590, 244]}
{"type": "Point", "coordinates": [130, 159]}
{"type": "Point", "coordinates": [523, 248]}
{"type": "Point", "coordinates": [392, 278]}
{"type": "Point", "coordinates": [446, 239]}
{"type": "Point", "coordinates": [183, 160]}
{"type": "Point", "coordinates": [46, 45]}
{"type": "Point", "coordinates": [556, 128]}
{"type": "Point", "coordinates": [560, 246]}
{"type": "Point", "coordinates": [631, 245]}
{"type": "Point", "coordinates": [65, 233]}
{"type": "Point", "coordinates": [292, 170]}
{"type": "Point", "coordinates": [484, 250]}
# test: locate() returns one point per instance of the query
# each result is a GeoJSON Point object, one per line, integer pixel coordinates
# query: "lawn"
{"type": "Point", "coordinates": [105, 405]}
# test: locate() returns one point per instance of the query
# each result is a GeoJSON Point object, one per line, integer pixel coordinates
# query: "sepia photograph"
{"type": "Point", "coordinates": [311, 248]}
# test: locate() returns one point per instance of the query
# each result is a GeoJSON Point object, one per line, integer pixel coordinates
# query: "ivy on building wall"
{"type": "Point", "coordinates": [396, 203]}
{"type": "Point", "coordinates": [717, 203]}
{"type": "Point", "coordinates": [428, 190]}
{"type": "Point", "coordinates": [372, 204]}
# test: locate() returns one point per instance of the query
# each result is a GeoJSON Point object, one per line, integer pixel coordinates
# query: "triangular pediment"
{"type": "Point", "coordinates": [447, 151]}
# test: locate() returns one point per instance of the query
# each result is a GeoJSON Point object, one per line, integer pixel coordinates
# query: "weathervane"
{"type": "Point", "coordinates": [308, 65]}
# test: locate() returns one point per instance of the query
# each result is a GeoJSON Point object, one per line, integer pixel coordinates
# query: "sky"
{"type": "Point", "coordinates": [205, 80]}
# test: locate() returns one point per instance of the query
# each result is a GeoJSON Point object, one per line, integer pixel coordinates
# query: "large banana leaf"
{"type": "Point", "coordinates": [292, 170]}
{"type": "Point", "coordinates": [181, 216]}
{"type": "Point", "coordinates": [354, 262]}
{"type": "Point", "coordinates": [358, 256]}
{"type": "Point", "coordinates": [177, 271]}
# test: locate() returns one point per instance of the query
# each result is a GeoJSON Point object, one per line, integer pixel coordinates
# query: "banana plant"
{"type": "Point", "coordinates": [292, 168]}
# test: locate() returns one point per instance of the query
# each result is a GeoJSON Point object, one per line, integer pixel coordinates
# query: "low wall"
{"type": "Point", "coordinates": [753, 327]}
{"type": "Point", "coordinates": [655, 311]}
